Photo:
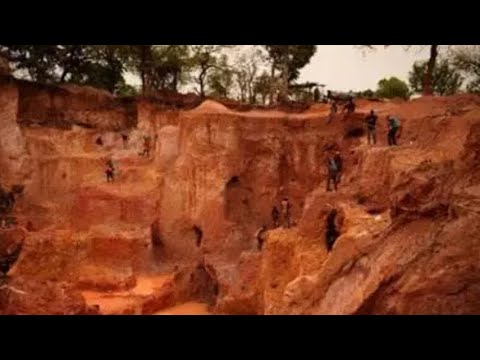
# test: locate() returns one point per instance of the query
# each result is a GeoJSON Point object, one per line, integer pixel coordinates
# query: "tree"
{"type": "Point", "coordinates": [467, 60]}
{"type": "Point", "coordinates": [289, 60]}
{"type": "Point", "coordinates": [262, 86]}
{"type": "Point", "coordinates": [95, 65]}
{"type": "Point", "coordinates": [204, 59]}
{"type": "Point", "coordinates": [221, 79]}
{"type": "Point", "coordinates": [427, 81]}
{"type": "Point", "coordinates": [392, 88]}
{"type": "Point", "coordinates": [247, 66]}
{"type": "Point", "coordinates": [446, 80]}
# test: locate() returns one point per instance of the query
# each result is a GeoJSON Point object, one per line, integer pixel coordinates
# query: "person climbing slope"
{"type": "Point", "coordinates": [332, 170]}
{"type": "Point", "coordinates": [371, 121]}
{"type": "Point", "coordinates": [331, 232]}
{"type": "Point", "coordinates": [339, 161]}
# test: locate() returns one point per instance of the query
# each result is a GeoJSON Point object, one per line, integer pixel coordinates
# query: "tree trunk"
{"type": "Point", "coordinates": [272, 83]}
{"type": "Point", "coordinates": [285, 77]}
{"type": "Point", "coordinates": [427, 83]}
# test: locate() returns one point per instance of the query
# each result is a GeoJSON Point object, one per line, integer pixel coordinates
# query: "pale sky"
{"type": "Point", "coordinates": [346, 67]}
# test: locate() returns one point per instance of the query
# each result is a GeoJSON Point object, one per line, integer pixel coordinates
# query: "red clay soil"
{"type": "Point", "coordinates": [189, 211]}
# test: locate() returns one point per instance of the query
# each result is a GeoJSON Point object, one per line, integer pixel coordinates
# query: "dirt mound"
{"type": "Point", "coordinates": [210, 106]}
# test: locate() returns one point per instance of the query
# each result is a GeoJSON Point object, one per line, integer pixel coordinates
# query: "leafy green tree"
{"type": "Point", "coordinates": [221, 79]}
{"type": "Point", "coordinates": [392, 88]}
{"type": "Point", "coordinates": [467, 60]}
{"type": "Point", "coordinates": [204, 59]}
{"type": "Point", "coordinates": [262, 86]}
{"type": "Point", "coordinates": [288, 60]}
{"type": "Point", "coordinates": [427, 81]}
{"type": "Point", "coordinates": [247, 66]}
{"type": "Point", "coordinates": [446, 80]}
{"type": "Point", "coordinates": [95, 65]}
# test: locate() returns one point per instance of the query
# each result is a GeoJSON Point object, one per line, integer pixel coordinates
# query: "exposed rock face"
{"type": "Point", "coordinates": [408, 216]}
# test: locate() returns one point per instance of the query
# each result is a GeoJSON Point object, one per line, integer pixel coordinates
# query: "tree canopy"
{"type": "Point", "coordinates": [446, 79]}
{"type": "Point", "coordinates": [392, 88]}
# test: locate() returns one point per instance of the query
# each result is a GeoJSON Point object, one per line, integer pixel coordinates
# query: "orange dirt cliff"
{"type": "Point", "coordinates": [174, 233]}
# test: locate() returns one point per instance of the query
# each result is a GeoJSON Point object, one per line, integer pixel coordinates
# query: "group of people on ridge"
{"type": "Point", "coordinates": [334, 171]}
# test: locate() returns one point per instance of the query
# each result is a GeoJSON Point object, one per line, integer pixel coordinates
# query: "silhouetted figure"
{"type": "Point", "coordinates": [350, 106]}
{"type": "Point", "coordinates": [332, 169]}
{"type": "Point", "coordinates": [393, 128]}
{"type": "Point", "coordinates": [7, 262]}
{"type": "Point", "coordinates": [7, 204]}
{"type": "Point", "coordinates": [316, 95]}
{"type": "Point", "coordinates": [198, 236]}
{"type": "Point", "coordinates": [339, 161]}
{"type": "Point", "coordinates": [147, 145]}
{"type": "Point", "coordinates": [99, 141]}
{"type": "Point", "coordinates": [260, 237]}
{"type": "Point", "coordinates": [371, 121]}
{"type": "Point", "coordinates": [125, 140]}
{"type": "Point", "coordinates": [110, 171]}
{"type": "Point", "coordinates": [333, 112]}
{"type": "Point", "coordinates": [331, 233]}
{"type": "Point", "coordinates": [275, 217]}
{"type": "Point", "coordinates": [286, 209]}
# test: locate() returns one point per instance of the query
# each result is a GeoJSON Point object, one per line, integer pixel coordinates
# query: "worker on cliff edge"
{"type": "Point", "coordinates": [286, 212]}
{"type": "Point", "coordinates": [350, 106]}
{"type": "Point", "coordinates": [147, 144]}
{"type": "Point", "coordinates": [275, 217]}
{"type": "Point", "coordinates": [333, 173]}
{"type": "Point", "coordinates": [110, 171]}
{"type": "Point", "coordinates": [331, 232]}
{"type": "Point", "coordinates": [371, 121]}
{"type": "Point", "coordinates": [339, 161]}
{"type": "Point", "coordinates": [125, 140]}
{"type": "Point", "coordinates": [394, 128]}
{"type": "Point", "coordinates": [333, 112]}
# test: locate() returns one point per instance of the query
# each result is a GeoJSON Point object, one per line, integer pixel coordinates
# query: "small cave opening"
{"type": "Point", "coordinates": [354, 132]}
{"type": "Point", "coordinates": [234, 181]}
{"type": "Point", "coordinates": [198, 235]}
{"type": "Point", "coordinates": [237, 201]}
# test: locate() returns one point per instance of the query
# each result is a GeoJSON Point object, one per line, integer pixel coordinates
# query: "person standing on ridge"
{"type": "Point", "coordinates": [393, 128]}
{"type": "Point", "coordinates": [371, 121]}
